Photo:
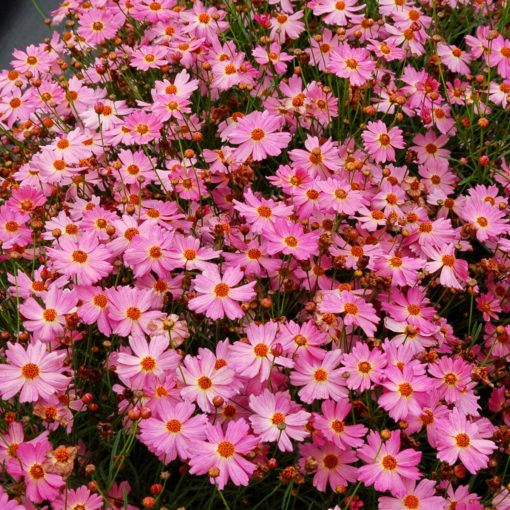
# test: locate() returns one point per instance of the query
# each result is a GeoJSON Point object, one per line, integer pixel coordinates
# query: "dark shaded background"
{"type": "Point", "coordinates": [21, 25]}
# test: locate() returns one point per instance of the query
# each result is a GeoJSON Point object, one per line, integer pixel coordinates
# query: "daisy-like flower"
{"type": "Point", "coordinates": [387, 468]}
{"type": "Point", "coordinates": [259, 136]}
{"type": "Point", "coordinates": [334, 12]}
{"type": "Point", "coordinates": [454, 272]}
{"type": "Point", "coordinates": [171, 434]}
{"type": "Point", "coordinates": [149, 360]}
{"type": "Point", "coordinates": [458, 438]}
{"type": "Point", "coordinates": [381, 143]}
{"type": "Point", "coordinates": [278, 419]}
{"type": "Point", "coordinates": [13, 228]}
{"type": "Point", "coordinates": [34, 373]}
{"type": "Point", "coordinates": [320, 379]}
{"type": "Point", "coordinates": [487, 220]}
{"type": "Point", "coordinates": [402, 270]}
{"type": "Point", "coordinates": [454, 58]}
{"type": "Point", "coordinates": [86, 259]}
{"type": "Point", "coordinates": [290, 239]}
{"type": "Point", "coordinates": [219, 295]}
{"type": "Point", "coordinates": [135, 165]}
{"type": "Point", "coordinates": [48, 322]}
{"type": "Point", "coordinates": [130, 309]}
{"type": "Point", "coordinates": [255, 358]}
{"type": "Point", "coordinates": [357, 311]}
{"type": "Point", "coordinates": [303, 339]}
{"type": "Point", "coordinates": [187, 253]}
{"type": "Point", "coordinates": [95, 25]}
{"type": "Point", "coordinates": [416, 496]}
{"type": "Point", "coordinates": [354, 64]}
{"type": "Point", "coordinates": [259, 212]}
{"type": "Point", "coordinates": [333, 465]}
{"type": "Point", "coordinates": [30, 463]}
{"type": "Point", "coordinates": [338, 195]}
{"type": "Point", "coordinates": [430, 151]}
{"type": "Point", "coordinates": [331, 423]}
{"type": "Point", "coordinates": [9, 504]}
{"type": "Point", "coordinates": [142, 127]}
{"type": "Point", "coordinates": [78, 499]}
{"type": "Point", "coordinates": [364, 367]}
{"type": "Point", "coordinates": [404, 390]}
{"type": "Point", "coordinates": [148, 57]}
{"type": "Point", "coordinates": [203, 379]}
{"type": "Point", "coordinates": [452, 376]}
{"type": "Point", "coordinates": [221, 454]}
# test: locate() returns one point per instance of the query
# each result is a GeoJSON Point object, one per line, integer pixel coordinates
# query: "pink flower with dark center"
{"type": "Point", "coordinates": [259, 136]}
{"type": "Point", "coordinates": [173, 431]}
{"type": "Point", "coordinates": [278, 419]}
{"type": "Point", "coordinates": [221, 454]}
{"type": "Point", "coordinates": [461, 439]}
{"type": "Point", "coordinates": [332, 424]}
{"type": "Point", "coordinates": [218, 295]}
{"type": "Point", "coordinates": [387, 468]}
{"type": "Point", "coordinates": [34, 373]}
{"type": "Point", "coordinates": [380, 142]}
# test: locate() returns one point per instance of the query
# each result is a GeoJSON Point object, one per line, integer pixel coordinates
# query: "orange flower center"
{"type": "Point", "coordinates": [204, 18]}
{"type": "Point", "coordinates": [204, 382]}
{"type": "Point", "coordinates": [396, 262]}
{"type": "Point", "coordinates": [261, 350]}
{"type": "Point", "coordinates": [411, 502]}
{"type": "Point", "coordinates": [100, 300]}
{"type": "Point", "coordinates": [405, 389]}
{"type": "Point", "coordinates": [79, 256]}
{"type": "Point", "coordinates": [174, 426]}
{"type": "Point", "coordinates": [351, 309]}
{"type": "Point", "coordinates": [330, 461]}
{"type": "Point", "coordinates": [97, 26]}
{"type": "Point", "coordinates": [278, 418]}
{"type": "Point", "coordinates": [11, 226]}
{"type": "Point", "coordinates": [257, 134]}
{"type": "Point", "coordinates": [448, 260]}
{"type": "Point", "coordinates": [384, 140]}
{"type": "Point", "coordinates": [351, 63]}
{"type": "Point", "coordinates": [49, 315]}
{"type": "Point", "coordinates": [482, 221]}
{"type": "Point", "coordinates": [254, 254]}
{"type": "Point", "coordinates": [155, 252]}
{"type": "Point", "coordinates": [226, 449]}
{"type": "Point", "coordinates": [30, 371]}
{"type": "Point", "coordinates": [389, 462]}
{"type": "Point", "coordinates": [364, 367]}
{"type": "Point", "coordinates": [36, 472]}
{"type": "Point", "coordinates": [320, 375]}
{"type": "Point", "coordinates": [338, 426]}
{"type": "Point", "coordinates": [133, 313]}
{"type": "Point", "coordinates": [414, 309]}
{"type": "Point", "coordinates": [462, 440]}
{"type": "Point", "coordinates": [340, 194]}
{"type": "Point", "coordinates": [221, 290]}
{"type": "Point", "coordinates": [450, 379]}
{"type": "Point", "coordinates": [130, 233]}
{"type": "Point", "coordinates": [264, 211]}
{"type": "Point", "coordinates": [148, 364]}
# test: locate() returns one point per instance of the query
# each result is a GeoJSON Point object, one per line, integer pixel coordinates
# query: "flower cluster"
{"type": "Point", "coordinates": [256, 253]}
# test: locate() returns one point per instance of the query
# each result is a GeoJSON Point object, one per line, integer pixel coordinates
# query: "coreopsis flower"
{"type": "Point", "coordinates": [380, 143]}
{"type": "Point", "coordinates": [13, 228]}
{"type": "Point", "coordinates": [80, 498]}
{"type": "Point", "coordinates": [172, 433]}
{"type": "Point", "coordinates": [221, 454]}
{"type": "Point", "coordinates": [331, 423]}
{"type": "Point", "coordinates": [9, 504]}
{"type": "Point", "coordinates": [421, 495]}
{"type": "Point", "coordinates": [259, 136]}
{"type": "Point", "coordinates": [218, 295]}
{"type": "Point", "coordinates": [84, 259]}
{"type": "Point", "coordinates": [278, 419]}
{"type": "Point", "coordinates": [454, 271]}
{"type": "Point", "coordinates": [333, 464]}
{"type": "Point", "coordinates": [357, 311]}
{"type": "Point", "coordinates": [336, 13]}
{"type": "Point", "coordinates": [459, 438]}
{"type": "Point", "coordinates": [290, 239]}
{"type": "Point", "coordinates": [149, 360]}
{"type": "Point", "coordinates": [363, 366]}
{"type": "Point", "coordinates": [48, 322]}
{"type": "Point", "coordinates": [403, 392]}
{"type": "Point", "coordinates": [487, 221]}
{"type": "Point", "coordinates": [203, 379]}
{"type": "Point", "coordinates": [95, 25]}
{"type": "Point", "coordinates": [319, 379]}
{"type": "Point", "coordinates": [255, 358]}
{"type": "Point", "coordinates": [451, 378]}
{"type": "Point", "coordinates": [388, 468]}
{"type": "Point", "coordinates": [30, 463]}
{"type": "Point", "coordinates": [430, 151]}
{"type": "Point", "coordinates": [351, 63]}
{"type": "Point", "coordinates": [32, 372]}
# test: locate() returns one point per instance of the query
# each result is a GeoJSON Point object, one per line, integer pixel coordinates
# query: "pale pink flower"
{"type": "Point", "coordinates": [380, 142]}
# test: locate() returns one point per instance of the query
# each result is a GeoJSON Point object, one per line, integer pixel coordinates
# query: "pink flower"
{"type": "Point", "coordinates": [255, 357]}
{"type": "Point", "coordinates": [381, 143]}
{"type": "Point", "coordinates": [429, 148]}
{"type": "Point", "coordinates": [30, 463]}
{"type": "Point", "coordinates": [218, 295]}
{"type": "Point", "coordinates": [357, 311]}
{"type": "Point", "coordinates": [187, 253]}
{"type": "Point", "coordinates": [452, 377]}
{"type": "Point", "coordinates": [48, 322]}
{"type": "Point", "coordinates": [388, 468]}
{"type": "Point", "coordinates": [172, 433]}
{"type": "Point", "coordinates": [461, 439]}
{"type": "Point", "coordinates": [9, 504]}
{"type": "Point", "coordinates": [203, 379]}
{"type": "Point", "coordinates": [454, 58]}
{"type": "Point", "coordinates": [354, 64]}
{"type": "Point", "coordinates": [414, 496]}
{"type": "Point", "coordinates": [333, 465]}
{"type": "Point", "coordinates": [278, 419]}
{"type": "Point", "coordinates": [320, 379]}
{"type": "Point", "coordinates": [404, 391]}
{"type": "Point", "coordinates": [331, 423]}
{"type": "Point", "coordinates": [95, 25]}
{"type": "Point", "coordinates": [34, 372]}
{"type": "Point", "coordinates": [223, 451]}
{"type": "Point", "coordinates": [13, 228]}
{"type": "Point", "coordinates": [488, 221]}
{"type": "Point", "coordinates": [454, 271]}
{"type": "Point", "coordinates": [364, 367]}
{"type": "Point", "coordinates": [149, 360]}
{"type": "Point", "coordinates": [259, 136]}
{"type": "Point", "coordinates": [80, 498]}
{"type": "Point", "coordinates": [130, 308]}
{"type": "Point", "coordinates": [290, 239]}
{"type": "Point", "coordinates": [85, 259]}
